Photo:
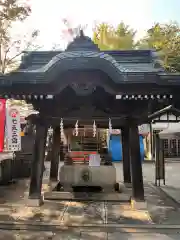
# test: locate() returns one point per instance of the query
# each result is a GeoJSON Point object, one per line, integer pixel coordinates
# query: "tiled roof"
{"type": "Point", "coordinates": [132, 61]}
{"type": "Point", "coordinates": [83, 46]}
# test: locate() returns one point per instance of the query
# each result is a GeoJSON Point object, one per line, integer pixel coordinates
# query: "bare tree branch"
{"type": "Point", "coordinates": [10, 50]}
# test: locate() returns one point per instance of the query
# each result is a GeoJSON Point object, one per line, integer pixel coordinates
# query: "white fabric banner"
{"type": "Point", "coordinates": [13, 129]}
{"type": "Point", "coordinates": [143, 129]}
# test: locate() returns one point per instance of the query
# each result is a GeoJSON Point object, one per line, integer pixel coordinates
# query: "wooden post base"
{"type": "Point", "coordinates": [35, 202]}
{"type": "Point", "coordinates": [138, 205]}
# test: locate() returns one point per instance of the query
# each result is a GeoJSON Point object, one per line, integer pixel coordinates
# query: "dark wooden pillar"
{"type": "Point", "coordinates": [55, 154]}
{"type": "Point", "coordinates": [126, 155]}
{"type": "Point", "coordinates": [159, 160]}
{"type": "Point", "coordinates": [38, 162]}
{"type": "Point", "coordinates": [136, 165]}
{"type": "Point", "coordinates": [61, 152]}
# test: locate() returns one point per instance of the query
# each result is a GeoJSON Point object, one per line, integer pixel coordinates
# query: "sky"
{"type": "Point", "coordinates": [47, 15]}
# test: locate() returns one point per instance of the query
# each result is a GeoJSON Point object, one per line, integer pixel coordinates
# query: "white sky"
{"type": "Point", "coordinates": [47, 16]}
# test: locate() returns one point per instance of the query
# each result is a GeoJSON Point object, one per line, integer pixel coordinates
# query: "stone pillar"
{"type": "Point", "coordinates": [55, 154]}
{"type": "Point", "coordinates": [126, 155]}
{"type": "Point", "coordinates": [35, 196]}
{"type": "Point", "coordinates": [136, 165]}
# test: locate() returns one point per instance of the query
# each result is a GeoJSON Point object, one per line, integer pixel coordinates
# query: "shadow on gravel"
{"type": "Point", "coordinates": [39, 235]}
{"type": "Point", "coordinates": [161, 208]}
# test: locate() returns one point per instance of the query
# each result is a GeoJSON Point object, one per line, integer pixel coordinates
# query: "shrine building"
{"type": "Point", "coordinates": [84, 86]}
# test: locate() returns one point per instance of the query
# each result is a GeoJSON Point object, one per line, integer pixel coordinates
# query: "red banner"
{"type": "Point", "coordinates": [2, 122]}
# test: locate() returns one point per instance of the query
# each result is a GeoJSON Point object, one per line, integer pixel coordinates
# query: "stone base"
{"type": "Point", "coordinates": [83, 175]}
{"type": "Point", "coordinates": [99, 197]}
{"type": "Point", "coordinates": [138, 205]}
{"type": "Point", "coordinates": [128, 185]}
{"type": "Point", "coordinates": [121, 187]}
{"type": "Point", "coordinates": [52, 185]}
{"type": "Point", "coordinates": [35, 202]}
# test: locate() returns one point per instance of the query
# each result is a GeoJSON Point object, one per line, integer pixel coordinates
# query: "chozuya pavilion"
{"type": "Point", "coordinates": [92, 90]}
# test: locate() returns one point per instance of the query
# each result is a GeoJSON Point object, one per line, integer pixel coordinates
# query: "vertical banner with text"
{"type": "Point", "coordinates": [2, 122]}
{"type": "Point", "coordinates": [13, 128]}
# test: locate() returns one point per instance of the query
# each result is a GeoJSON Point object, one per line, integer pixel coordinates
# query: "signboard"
{"type": "Point", "coordinates": [94, 160]}
{"type": "Point", "coordinates": [2, 122]}
{"type": "Point", "coordinates": [143, 129]}
{"type": "Point", "coordinates": [13, 129]}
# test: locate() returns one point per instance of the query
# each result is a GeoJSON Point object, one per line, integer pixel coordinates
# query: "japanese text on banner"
{"type": "Point", "coordinates": [13, 130]}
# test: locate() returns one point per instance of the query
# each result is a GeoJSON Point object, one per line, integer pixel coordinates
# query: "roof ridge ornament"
{"type": "Point", "coordinates": [82, 42]}
{"type": "Point", "coordinates": [81, 33]}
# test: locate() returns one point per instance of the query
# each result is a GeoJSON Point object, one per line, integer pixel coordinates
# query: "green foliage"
{"type": "Point", "coordinates": [110, 38]}
{"type": "Point", "coordinates": [164, 38]}
{"type": "Point", "coordinates": [125, 37]}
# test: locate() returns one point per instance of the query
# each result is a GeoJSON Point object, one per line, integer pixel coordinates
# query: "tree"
{"type": "Point", "coordinates": [108, 37]}
{"type": "Point", "coordinates": [125, 37]}
{"type": "Point", "coordinates": [71, 31]}
{"type": "Point", "coordinates": [13, 11]}
{"type": "Point", "coordinates": [102, 36]}
{"type": "Point", "coordinates": [165, 39]}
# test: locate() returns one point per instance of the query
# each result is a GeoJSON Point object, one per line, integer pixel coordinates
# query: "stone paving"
{"type": "Point", "coordinates": [70, 213]}
{"type": "Point", "coordinates": [67, 212]}
{"type": "Point", "coordinates": [161, 211]}
{"type": "Point", "coordinates": [173, 192]}
{"type": "Point", "coordinates": [160, 207]}
{"type": "Point", "coordinates": [172, 173]}
{"type": "Point", "coordinates": [83, 236]}
{"type": "Point", "coordinates": [77, 235]}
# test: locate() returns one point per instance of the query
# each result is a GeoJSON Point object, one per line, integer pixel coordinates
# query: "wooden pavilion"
{"type": "Point", "coordinates": [87, 84]}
